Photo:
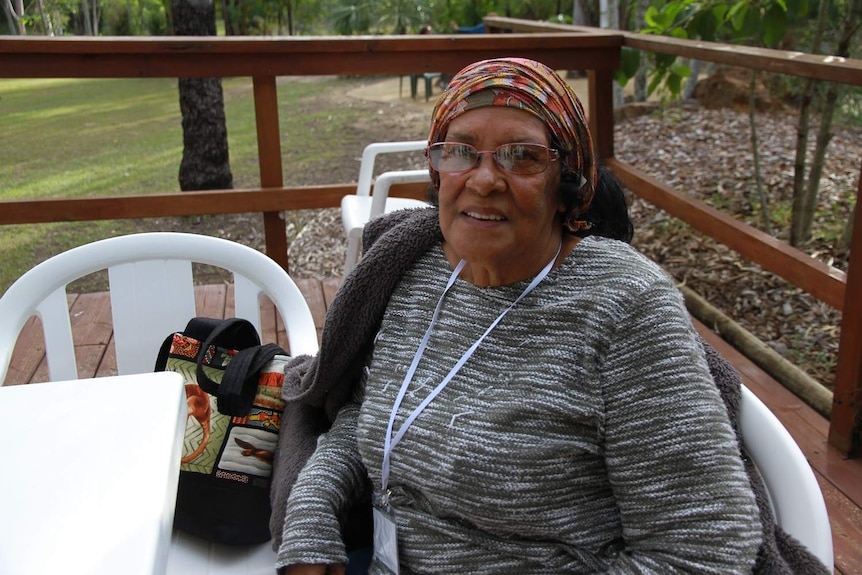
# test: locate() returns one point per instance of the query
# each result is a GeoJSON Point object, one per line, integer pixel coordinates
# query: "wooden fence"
{"type": "Point", "coordinates": [565, 48]}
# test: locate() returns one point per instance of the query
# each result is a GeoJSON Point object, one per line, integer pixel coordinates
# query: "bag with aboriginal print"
{"type": "Point", "coordinates": [233, 388]}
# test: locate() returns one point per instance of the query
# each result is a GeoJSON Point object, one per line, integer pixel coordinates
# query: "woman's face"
{"type": "Point", "coordinates": [490, 217]}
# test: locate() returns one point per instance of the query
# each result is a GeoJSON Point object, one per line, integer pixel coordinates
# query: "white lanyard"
{"type": "Point", "coordinates": [391, 441]}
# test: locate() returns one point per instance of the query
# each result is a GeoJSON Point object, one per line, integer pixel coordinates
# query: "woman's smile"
{"type": "Point", "coordinates": [485, 217]}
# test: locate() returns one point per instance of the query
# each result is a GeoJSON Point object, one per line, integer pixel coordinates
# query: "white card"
{"type": "Point", "coordinates": [386, 538]}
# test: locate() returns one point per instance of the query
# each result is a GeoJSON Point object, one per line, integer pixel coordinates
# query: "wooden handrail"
{"type": "Point", "coordinates": [817, 66]}
{"type": "Point", "coordinates": [172, 204]}
{"type": "Point", "coordinates": [823, 281]}
{"type": "Point", "coordinates": [172, 57]}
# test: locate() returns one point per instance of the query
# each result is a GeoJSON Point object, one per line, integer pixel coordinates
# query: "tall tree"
{"type": "Point", "coordinates": [47, 25]}
{"type": "Point", "coordinates": [579, 14]}
{"type": "Point", "coordinates": [401, 16]}
{"type": "Point", "coordinates": [797, 222]}
{"type": "Point", "coordinates": [609, 18]}
{"type": "Point", "coordinates": [805, 196]}
{"type": "Point", "coordinates": [85, 18]}
{"type": "Point", "coordinates": [206, 162]}
{"type": "Point", "coordinates": [15, 16]}
{"type": "Point", "coordinates": [641, 76]}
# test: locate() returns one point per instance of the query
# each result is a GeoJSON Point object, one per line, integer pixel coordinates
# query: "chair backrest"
{"type": "Point", "coordinates": [794, 493]}
{"type": "Point", "coordinates": [358, 208]}
{"type": "Point", "coordinates": [369, 156]}
{"type": "Point", "coordinates": [386, 180]}
{"type": "Point", "coordinates": [152, 295]}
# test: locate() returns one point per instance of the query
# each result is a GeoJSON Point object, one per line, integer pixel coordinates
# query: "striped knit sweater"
{"type": "Point", "coordinates": [585, 435]}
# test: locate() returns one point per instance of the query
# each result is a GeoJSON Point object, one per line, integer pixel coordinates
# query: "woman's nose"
{"type": "Point", "coordinates": [487, 175]}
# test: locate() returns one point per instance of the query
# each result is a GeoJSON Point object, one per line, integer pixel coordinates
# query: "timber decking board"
{"type": "Point", "coordinates": [839, 478]}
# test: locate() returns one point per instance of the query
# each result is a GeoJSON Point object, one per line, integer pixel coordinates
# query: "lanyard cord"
{"type": "Point", "coordinates": [390, 441]}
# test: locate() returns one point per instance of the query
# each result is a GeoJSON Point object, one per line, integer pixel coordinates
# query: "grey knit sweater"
{"type": "Point", "coordinates": [558, 447]}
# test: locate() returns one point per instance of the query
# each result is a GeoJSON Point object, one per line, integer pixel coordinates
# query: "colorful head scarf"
{"type": "Point", "coordinates": [531, 86]}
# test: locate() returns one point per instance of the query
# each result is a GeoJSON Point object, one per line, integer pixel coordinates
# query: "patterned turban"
{"type": "Point", "coordinates": [531, 86]}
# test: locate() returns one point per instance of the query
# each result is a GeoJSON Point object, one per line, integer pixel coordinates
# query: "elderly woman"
{"type": "Point", "coordinates": [521, 396]}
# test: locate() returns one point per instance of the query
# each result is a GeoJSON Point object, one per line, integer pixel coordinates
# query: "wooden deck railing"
{"type": "Point", "coordinates": [570, 48]}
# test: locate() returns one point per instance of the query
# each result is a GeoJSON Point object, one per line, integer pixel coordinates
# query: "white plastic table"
{"type": "Point", "coordinates": [88, 474]}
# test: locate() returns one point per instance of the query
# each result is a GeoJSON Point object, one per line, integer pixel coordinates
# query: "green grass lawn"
{"type": "Point", "coordinates": [64, 138]}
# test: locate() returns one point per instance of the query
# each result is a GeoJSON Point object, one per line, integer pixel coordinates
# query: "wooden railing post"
{"type": "Point", "coordinates": [269, 159]}
{"type": "Point", "coordinates": [601, 112]}
{"type": "Point", "coordinates": [844, 428]}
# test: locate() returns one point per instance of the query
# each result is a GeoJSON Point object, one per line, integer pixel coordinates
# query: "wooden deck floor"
{"type": "Point", "coordinates": [840, 479]}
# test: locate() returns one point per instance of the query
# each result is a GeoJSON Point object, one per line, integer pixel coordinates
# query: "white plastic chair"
{"type": "Point", "coordinates": [794, 493]}
{"type": "Point", "coordinates": [152, 295]}
{"type": "Point", "coordinates": [357, 209]}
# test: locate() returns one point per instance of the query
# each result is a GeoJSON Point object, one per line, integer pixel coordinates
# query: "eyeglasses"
{"type": "Point", "coordinates": [519, 158]}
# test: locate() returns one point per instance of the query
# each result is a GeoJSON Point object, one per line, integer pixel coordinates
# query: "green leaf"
{"type": "Point", "coordinates": [621, 78]}
{"type": "Point", "coordinates": [655, 19]}
{"type": "Point", "coordinates": [679, 33]}
{"type": "Point", "coordinates": [797, 9]}
{"type": "Point", "coordinates": [681, 70]}
{"type": "Point", "coordinates": [672, 10]}
{"type": "Point", "coordinates": [751, 25]}
{"type": "Point", "coordinates": [705, 25]}
{"type": "Point", "coordinates": [664, 61]}
{"type": "Point", "coordinates": [630, 61]}
{"type": "Point", "coordinates": [774, 26]}
{"type": "Point", "coordinates": [737, 13]}
{"type": "Point", "coordinates": [674, 84]}
{"type": "Point", "coordinates": [655, 82]}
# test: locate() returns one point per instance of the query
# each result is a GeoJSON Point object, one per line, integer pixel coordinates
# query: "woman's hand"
{"type": "Point", "coordinates": [315, 569]}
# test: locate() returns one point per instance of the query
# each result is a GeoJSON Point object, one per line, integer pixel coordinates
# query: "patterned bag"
{"type": "Point", "coordinates": [233, 388]}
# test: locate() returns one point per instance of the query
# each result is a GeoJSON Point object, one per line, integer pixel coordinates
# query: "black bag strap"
{"type": "Point", "coordinates": [240, 381]}
{"type": "Point", "coordinates": [232, 333]}
{"type": "Point", "coordinates": [198, 328]}
{"type": "Point", "coordinates": [162, 357]}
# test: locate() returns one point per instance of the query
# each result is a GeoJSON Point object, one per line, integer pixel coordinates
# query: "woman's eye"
{"type": "Point", "coordinates": [521, 153]}
{"type": "Point", "coordinates": [462, 152]}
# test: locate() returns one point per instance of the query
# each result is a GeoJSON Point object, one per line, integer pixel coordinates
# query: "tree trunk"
{"type": "Point", "coordinates": [579, 15]}
{"type": "Point", "coordinates": [610, 19]}
{"type": "Point", "coordinates": [169, 17]}
{"type": "Point", "coordinates": [11, 21]}
{"type": "Point", "coordinates": [641, 76]}
{"type": "Point", "coordinates": [95, 16]}
{"type": "Point", "coordinates": [797, 216]}
{"type": "Point", "coordinates": [206, 162]}
{"type": "Point", "coordinates": [806, 197]}
{"type": "Point", "coordinates": [847, 234]}
{"type": "Point", "coordinates": [228, 19]}
{"type": "Point", "coordinates": [15, 16]}
{"type": "Point", "coordinates": [758, 179]}
{"type": "Point", "coordinates": [691, 83]}
{"type": "Point", "coordinates": [47, 26]}
{"type": "Point", "coordinates": [824, 136]}
{"type": "Point", "coordinates": [290, 28]}
{"type": "Point", "coordinates": [85, 18]}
